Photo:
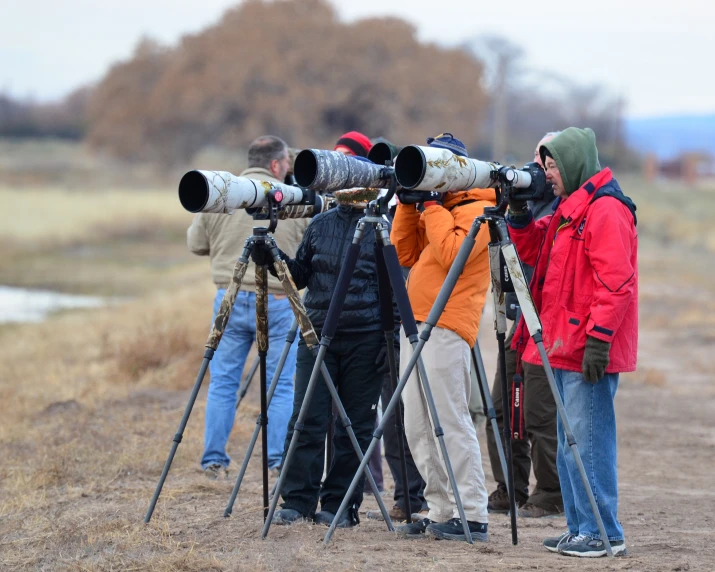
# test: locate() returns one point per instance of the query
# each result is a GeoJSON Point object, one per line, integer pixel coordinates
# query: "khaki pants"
{"type": "Point", "coordinates": [447, 361]}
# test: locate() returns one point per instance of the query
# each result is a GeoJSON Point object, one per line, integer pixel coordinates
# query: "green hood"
{"type": "Point", "coordinates": [576, 156]}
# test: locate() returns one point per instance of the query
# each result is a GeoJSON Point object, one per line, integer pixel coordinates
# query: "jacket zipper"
{"type": "Point", "coordinates": [342, 248]}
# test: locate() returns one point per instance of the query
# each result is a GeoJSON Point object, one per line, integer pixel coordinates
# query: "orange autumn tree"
{"type": "Point", "coordinates": [289, 68]}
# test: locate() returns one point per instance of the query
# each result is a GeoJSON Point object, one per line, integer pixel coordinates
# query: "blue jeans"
{"type": "Point", "coordinates": [226, 368]}
{"type": "Point", "coordinates": [590, 411]}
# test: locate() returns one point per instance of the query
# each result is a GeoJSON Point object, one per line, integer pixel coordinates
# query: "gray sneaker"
{"type": "Point", "coordinates": [554, 543]}
{"type": "Point", "coordinates": [588, 547]}
{"type": "Point", "coordinates": [286, 516]}
{"type": "Point", "coordinates": [214, 471]}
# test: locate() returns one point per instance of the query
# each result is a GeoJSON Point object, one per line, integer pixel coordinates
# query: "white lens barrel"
{"type": "Point", "coordinates": [223, 192]}
{"type": "Point", "coordinates": [433, 169]}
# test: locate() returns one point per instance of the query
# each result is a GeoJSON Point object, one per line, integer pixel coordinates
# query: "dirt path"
{"type": "Point", "coordinates": [100, 465]}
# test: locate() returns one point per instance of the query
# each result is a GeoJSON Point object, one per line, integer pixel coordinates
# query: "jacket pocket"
{"type": "Point", "coordinates": [574, 328]}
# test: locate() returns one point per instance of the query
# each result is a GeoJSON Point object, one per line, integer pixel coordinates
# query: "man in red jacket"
{"type": "Point", "coordinates": [585, 286]}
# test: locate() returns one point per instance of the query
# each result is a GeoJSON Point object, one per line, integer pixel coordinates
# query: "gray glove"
{"type": "Point", "coordinates": [595, 359]}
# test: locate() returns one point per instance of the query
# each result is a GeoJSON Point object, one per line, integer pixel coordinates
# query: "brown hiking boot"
{"type": "Point", "coordinates": [532, 511]}
{"type": "Point", "coordinates": [396, 514]}
{"type": "Point", "coordinates": [498, 502]}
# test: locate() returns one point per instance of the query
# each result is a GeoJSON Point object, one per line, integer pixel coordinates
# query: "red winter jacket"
{"type": "Point", "coordinates": [585, 278]}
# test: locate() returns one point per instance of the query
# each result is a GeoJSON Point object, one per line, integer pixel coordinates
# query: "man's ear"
{"type": "Point", "coordinates": [275, 167]}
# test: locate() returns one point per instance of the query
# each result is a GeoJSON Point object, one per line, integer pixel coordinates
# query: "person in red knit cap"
{"type": "Point", "coordinates": [353, 143]}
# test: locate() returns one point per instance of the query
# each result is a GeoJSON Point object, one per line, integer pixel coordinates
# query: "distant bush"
{"type": "Point", "coordinates": [289, 68]}
{"type": "Point", "coordinates": [65, 119]}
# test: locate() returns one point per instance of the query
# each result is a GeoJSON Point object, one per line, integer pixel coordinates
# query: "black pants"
{"type": "Point", "coordinates": [392, 456]}
{"type": "Point", "coordinates": [350, 359]}
{"type": "Point", "coordinates": [540, 444]}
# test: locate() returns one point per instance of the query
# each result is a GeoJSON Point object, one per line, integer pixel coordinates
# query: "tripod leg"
{"type": "Point", "coordinates": [297, 428]}
{"type": "Point", "coordinates": [329, 450]}
{"type": "Point", "coordinates": [290, 338]}
{"type": "Point", "coordinates": [222, 316]}
{"type": "Point", "coordinates": [356, 446]}
{"type": "Point", "coordinates": [488, 403]}
{"type": "Point", "coordinates": [262, 343]}
{"type": "Point", "coordinates": [247, 380]}
{"type": "Point", "coordinates": [388, 324]}
{"type": "Point", "coordinates": [410, 328]}
{"type": "Point", "coordinates": [500, 326]}
{"type": "Point", "coordinates": [506, 434]}
{"type": "Point", "coordinates": [180, 432]}
{"type": "Point", "coordinates": [533, 324]}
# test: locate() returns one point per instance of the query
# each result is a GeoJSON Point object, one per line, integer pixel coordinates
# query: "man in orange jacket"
{"type": "Point", "coordinates": [428, 242]}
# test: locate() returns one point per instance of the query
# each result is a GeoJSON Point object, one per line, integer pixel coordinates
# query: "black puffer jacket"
{"type": "Point", "coordinates": [317, 265]}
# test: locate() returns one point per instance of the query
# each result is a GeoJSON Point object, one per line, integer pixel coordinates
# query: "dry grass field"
{"type": "Point", "coordinates": [89, 402]}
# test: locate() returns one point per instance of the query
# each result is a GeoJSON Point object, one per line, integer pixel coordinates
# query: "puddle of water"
{"type": "Point", "coordinates": [23, 305]}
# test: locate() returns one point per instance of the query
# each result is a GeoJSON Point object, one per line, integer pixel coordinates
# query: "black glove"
{"type": "Point", "coordinates": [261, 255]}
{"type": "Point", "coordinates": [517, 207]}
{"type": "Point", "coordinates": [419, 197]}
{"type": "Point", "coordinates": [382, 362]}
{"type": "Point", "coordinates": [519, 213]}
{"type": "Point", "coordinates": [595, 359]}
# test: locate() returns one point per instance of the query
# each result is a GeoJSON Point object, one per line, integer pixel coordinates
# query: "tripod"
{"type": "Point", "coordinates": [501, 244]}
{"type": "Point", "coordinates": [388, 267]}
{"type": "Point", "coordinates": [487, 402]}
{"type": "Point", "coordinates": [260, 236]}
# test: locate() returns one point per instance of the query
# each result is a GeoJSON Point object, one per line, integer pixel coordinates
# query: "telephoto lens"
{"type": "Point", "coordinates": [222, 192]}
{"type": "Point", "coordinates": [329, 171]}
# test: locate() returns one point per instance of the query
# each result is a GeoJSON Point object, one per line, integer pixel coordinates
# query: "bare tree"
{"type": "Point", "coordinates": [502, 59]}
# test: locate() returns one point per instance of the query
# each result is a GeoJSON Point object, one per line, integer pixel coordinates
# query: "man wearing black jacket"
{"type": "Point", "coordinates": [351, 361]}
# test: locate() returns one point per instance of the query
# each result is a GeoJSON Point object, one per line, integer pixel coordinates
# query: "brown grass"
{"type": "Point", "coordinates": [90, 400]}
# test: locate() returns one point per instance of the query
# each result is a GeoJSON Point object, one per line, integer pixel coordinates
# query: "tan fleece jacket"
{"type": "Point", "coordinates": [221, 238]}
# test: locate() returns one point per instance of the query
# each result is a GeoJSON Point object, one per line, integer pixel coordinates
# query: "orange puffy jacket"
{"type": "Point", "coordinates": [428, 244]}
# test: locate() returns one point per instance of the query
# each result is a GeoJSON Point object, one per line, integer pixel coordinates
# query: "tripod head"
{"type": "Point", "coordinates": [381, 206]}
{"type": "Point", "coordinates": [274, 198]}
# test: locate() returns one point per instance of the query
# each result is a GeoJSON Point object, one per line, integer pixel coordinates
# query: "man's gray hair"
{"type": "Point", "coordinates": [266, 149]}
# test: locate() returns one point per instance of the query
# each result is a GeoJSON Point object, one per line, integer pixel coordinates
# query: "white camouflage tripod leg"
{"type": "Point", "coordinates": [533, 324]}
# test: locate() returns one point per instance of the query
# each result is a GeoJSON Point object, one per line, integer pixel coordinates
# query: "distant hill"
{"type": "Point", "coordinates": [669, 136]}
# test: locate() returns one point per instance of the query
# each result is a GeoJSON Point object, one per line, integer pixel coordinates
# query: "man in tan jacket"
{"type": "Point", "coordinates": [221, 237]}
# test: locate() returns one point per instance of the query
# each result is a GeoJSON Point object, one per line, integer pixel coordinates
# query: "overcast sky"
{"type": "Point", "coordinates": [658, 55]}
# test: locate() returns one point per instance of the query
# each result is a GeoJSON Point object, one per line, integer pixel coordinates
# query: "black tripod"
{"type": "Point", "coordinates": [487, 402]}
{"type": "Point", "coordinates": [500, 244]}
{"type": "Point", "coordinates": [388, 266]}
{"type": "Point", "coordinates": [248, 378]}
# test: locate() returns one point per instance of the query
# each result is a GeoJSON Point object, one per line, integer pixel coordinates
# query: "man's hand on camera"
{"type": "Point", "coordinates": [595, 359]}
{"type": "Point", "coordinates": [518, 207]}
{"type": "Point", "coordinates": [519, 214]}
